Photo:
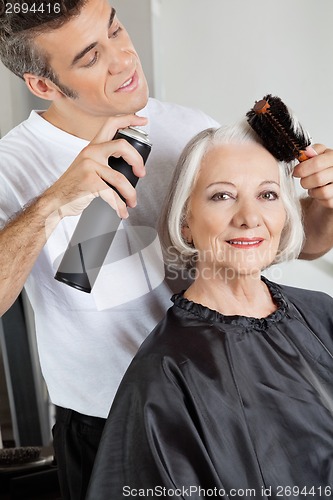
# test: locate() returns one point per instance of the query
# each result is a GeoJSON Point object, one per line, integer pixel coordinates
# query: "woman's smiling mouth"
{"type": "Point", "coordinates": [245, 243]}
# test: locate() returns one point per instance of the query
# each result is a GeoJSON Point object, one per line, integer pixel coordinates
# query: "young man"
{"type": "Point", "coordinates": [79, 56]}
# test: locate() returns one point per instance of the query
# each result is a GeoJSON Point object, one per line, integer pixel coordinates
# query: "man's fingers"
{"type": "Point", "coordinates": [117, 148]}
{"type": "Point", "coordinates": [318, 179]}
{"type": "Point", "coordinates": [323, 194]}
{"type": "Point", "coordinates": [120, 183]}
{"type": "Point", "coordinates": [111, 125]}
{"type": "Point", "coordinates": [310, 152]}
{"type": "Point", "coordinates": [316, 175]}
{"type": "Point", "coordinates": [320, 148]}
{"type": "Point", "coordinates": [324, 160]}
{"type": "Point", "coordinates": [90, 173]}
{"type": "Point", "coordinates": [110, 197]}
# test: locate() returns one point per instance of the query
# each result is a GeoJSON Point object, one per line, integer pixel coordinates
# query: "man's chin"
{"type": "Point", "coordinates": [141, 102]}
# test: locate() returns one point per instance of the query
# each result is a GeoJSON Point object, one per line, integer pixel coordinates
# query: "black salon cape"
{"type": "Point", "coordinates": [225, 403]}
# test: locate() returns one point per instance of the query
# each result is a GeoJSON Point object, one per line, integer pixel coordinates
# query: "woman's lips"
{"type": "Point", "coordinates": [245, 243]}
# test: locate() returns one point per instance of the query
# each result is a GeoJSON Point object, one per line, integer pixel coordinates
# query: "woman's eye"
{"type": "Point", "coordinates": [221, 196]}
{"type": "Point", "coordinates": [269, 195]}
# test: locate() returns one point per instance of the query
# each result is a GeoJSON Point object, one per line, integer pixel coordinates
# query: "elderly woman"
{"type": "Point", "coordinates": [232, 394]}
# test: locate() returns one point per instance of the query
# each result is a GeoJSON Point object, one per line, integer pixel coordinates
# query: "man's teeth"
{"type": "Point", "coordinates": [126, 83]}
{"type": "Point", "coordinates": [244, 242]}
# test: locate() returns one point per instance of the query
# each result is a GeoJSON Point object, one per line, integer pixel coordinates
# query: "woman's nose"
{"type": "Point", "coordinates": [247, 215]}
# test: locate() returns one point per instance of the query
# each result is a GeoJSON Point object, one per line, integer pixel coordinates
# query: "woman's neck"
{"type": "Point", "coordinates": [242, 296]}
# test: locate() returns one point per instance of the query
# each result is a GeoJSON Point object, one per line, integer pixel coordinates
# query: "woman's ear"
{"type": "Point", "coordinates": [187, 234]}
{"type": "Point", "coordinates": [41, 87]}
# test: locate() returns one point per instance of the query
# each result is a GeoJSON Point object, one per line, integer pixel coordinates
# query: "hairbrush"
{"type": "Point", "coordinates": [19, 456]}
{"type": "Point", "coordinates": [279, 129]}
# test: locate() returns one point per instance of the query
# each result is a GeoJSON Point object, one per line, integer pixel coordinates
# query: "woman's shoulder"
{"type": "Point", "coordinates": [315, 307]}
{"type": "Point", "coordinates": [174, 334]}
{"type": "Point", "coordinates": [179, 342]}
{"type": "Point", "coordinates": [314, 297]}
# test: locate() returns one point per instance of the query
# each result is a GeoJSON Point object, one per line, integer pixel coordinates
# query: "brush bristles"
{"type": "Point", "coordinates": [278, 128]}
{"type": "Point", "coordinates": [18, 456]}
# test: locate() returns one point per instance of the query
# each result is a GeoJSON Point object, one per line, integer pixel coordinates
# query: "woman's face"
{"type": "Point", "coordinates": [235, 213]}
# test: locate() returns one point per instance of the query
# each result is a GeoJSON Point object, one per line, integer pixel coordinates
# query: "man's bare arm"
{"type": "Point", "coordinates": [316, 176]}
{"type": "Point", "coordinates": [21, 241]}
{"type": "Point", "coordinates": [23, 238]}
{"type": "Point", "coordinates": [318, 225]}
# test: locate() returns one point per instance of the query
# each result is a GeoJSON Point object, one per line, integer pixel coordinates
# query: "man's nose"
{"type": "Point", "coordinates": [120, 59]}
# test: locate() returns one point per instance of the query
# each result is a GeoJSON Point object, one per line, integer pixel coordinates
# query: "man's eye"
{"type": "Point", "coordinates": [115, 32]}
{"type": "Point", "coordinates": [92, 61]}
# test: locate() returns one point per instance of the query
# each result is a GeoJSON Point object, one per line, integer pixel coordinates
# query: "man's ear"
{"type": "Point", "coordinates": [41, 87]}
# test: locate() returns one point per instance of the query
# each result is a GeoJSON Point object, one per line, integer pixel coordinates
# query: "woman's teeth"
{"type": "Point", "coordinates": [244, 242]}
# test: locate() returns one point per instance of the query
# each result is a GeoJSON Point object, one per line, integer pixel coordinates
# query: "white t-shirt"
{"type": "Point", "coordinates": [86, 341]}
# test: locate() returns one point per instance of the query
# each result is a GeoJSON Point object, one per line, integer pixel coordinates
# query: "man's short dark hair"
{"type": "Point", "coordinates": [21, 22]}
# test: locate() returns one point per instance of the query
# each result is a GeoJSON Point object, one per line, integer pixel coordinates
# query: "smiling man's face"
{"type": "Point", "coordinates": [94, 58]}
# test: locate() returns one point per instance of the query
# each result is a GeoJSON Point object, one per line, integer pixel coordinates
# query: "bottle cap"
{"type": "Point", "coordinates": [135, 133]}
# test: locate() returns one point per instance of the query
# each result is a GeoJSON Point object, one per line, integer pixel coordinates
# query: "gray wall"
{"type": "Point", "coordinates": [221, 55]}
{"type": "Point", "coordinates": [16, 101]}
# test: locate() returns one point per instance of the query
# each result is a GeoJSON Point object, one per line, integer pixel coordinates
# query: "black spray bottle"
{"type": "Point", "coordinates": [98, 225]}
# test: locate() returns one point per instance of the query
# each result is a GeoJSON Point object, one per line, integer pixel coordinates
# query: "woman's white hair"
{"type": "Point", "coordinates": [177, 251]}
